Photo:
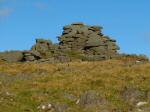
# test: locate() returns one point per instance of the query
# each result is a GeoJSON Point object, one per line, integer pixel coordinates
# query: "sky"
{"type": "Point", "coordinates": [127, 21]}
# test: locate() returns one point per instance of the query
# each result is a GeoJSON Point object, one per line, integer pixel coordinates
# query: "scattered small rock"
{"type": "Point", "coordinates": [45, 107]}
{"type": "Point", "coordinates": [139, 104]}
{"type": "Point", "coordinates": [53, 107]}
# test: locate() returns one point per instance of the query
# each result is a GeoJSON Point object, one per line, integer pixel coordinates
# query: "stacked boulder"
{"type": "Point", "coordinates": [43, 49]}
{"type": "Point", "coordinates": [31, 55]}
{"type": "Point", "coordinates": [42, 46]}
{"type": "Point", "coordinates": [88, 41]}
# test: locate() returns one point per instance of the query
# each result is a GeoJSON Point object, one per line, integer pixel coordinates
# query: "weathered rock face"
{"type": "Point", "coordinates": [42, 46]}
{"type": "Point", "coordinates": [87, 40]}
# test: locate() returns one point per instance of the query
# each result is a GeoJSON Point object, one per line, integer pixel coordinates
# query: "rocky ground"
{"type": "Point", "coordinates": [106, 86]}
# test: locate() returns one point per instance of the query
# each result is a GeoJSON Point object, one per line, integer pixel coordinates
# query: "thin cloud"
{"type": "Point", "coordinates": [5, 12]}
{"type": "Point", "coordinates": [147, 35]}
{"type": "Point", "coordinates": [1, 0]}
{"type": "Point", "coordinates": [40, 5]}
{"type": "Point", "coordinates": [7, 0]}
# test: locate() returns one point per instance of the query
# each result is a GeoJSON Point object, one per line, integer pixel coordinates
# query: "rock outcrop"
{"type": "Point", "coordinates": [78, 42]}
{"type": "Point", "coordinates": [87, 40]}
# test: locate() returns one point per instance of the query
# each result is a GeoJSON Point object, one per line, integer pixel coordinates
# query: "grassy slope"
{"type": "Point", "coordinates": [24, 86]}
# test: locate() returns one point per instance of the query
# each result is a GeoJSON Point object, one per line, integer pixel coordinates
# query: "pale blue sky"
{"type": "Point", "coordinates": [127, 21]}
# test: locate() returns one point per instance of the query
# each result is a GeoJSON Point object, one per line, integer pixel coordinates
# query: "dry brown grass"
{"type": "Point", "coordinates": [48, 82]}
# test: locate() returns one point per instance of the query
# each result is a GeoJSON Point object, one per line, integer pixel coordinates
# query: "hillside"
{"type": "Point", "coordinates": [84, 72]}
{"type": "Point", "coordinates": [104, 86]}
